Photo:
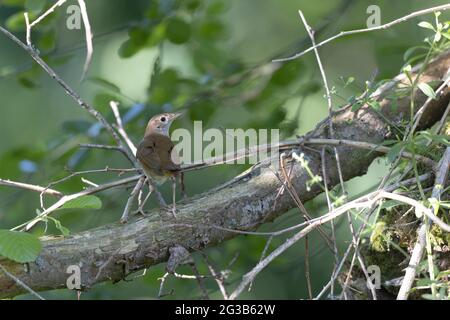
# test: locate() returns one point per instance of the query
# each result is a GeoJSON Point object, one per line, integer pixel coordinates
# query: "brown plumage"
{"type": "Point", "coordinates": [155, 150]}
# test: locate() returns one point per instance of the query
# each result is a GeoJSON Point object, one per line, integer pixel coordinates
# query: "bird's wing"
{"type": "Point", "coordinates": [147, 155]}
{"type": "Point", "coordinates": [155, 153]}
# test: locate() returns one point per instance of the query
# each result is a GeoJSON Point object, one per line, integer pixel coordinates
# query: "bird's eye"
{"type": "Point", "coordinates": [163, 119]}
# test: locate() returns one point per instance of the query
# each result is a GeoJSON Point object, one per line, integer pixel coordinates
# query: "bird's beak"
{"type": "Point", "coordinates": [176, 115]}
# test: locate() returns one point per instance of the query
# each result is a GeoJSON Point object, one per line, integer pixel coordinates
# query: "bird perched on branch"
{"type": "Point", "coordinates": [155, 154]}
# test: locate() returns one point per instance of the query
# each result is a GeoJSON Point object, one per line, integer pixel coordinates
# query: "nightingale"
{"type": "Point", "coordinates": [155, 154]}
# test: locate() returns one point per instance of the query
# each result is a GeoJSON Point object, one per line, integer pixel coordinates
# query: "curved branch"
{"type": "Point", "coordinates": [243, 203]}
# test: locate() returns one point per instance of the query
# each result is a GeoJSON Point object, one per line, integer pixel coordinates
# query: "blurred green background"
{"type": "Point", "coordinates": [210, 57]}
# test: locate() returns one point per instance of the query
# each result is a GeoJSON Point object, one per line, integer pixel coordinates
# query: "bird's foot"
{"type": "Point", "coordinates": [169, 210]}
{"type": "Point", "coordinates": [141, 212]}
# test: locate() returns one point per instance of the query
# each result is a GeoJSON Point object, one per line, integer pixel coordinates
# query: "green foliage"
{"type": "Point", "coordinates": [203, 59]}
{"type": "Point", "coordinates": [427, 90]}
{"type": "Point", "coordinates": [83, 202]}
{"type": "Point", "coordinates": [380, 237]}
{"type": "Point", "coordinates": [178, 30]}
{"type": "Point", "coordinates": [19, 246]}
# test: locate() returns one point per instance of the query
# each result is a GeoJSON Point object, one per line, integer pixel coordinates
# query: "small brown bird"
{"type": "Point", "coordinates": [155, 153]}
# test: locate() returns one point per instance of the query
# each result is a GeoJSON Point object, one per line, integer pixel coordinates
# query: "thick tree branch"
{"type": "Point", "coordinates": [244, 203]}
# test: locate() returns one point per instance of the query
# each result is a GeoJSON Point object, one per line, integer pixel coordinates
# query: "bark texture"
{"type": "Point", "coordinates": [112, 251]}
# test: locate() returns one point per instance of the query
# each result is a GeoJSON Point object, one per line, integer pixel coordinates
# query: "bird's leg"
{"type": "Point", "coordinates": [174, 196]}
{"type": "Point", "coordinates": [162, 202]}
{"type": "Point", "coordinates": [140, 209]}
{"type": "Point", "coordinates": [182, 186]}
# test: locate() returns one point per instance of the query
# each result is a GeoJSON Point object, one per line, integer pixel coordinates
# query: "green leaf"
{"type": "Point", "coordinates": [84, 202]}
{"type": "Point", "coordinates": [16, 22]}
{"type": "Point", "coordinates": [409, 53]}
{"type": "Point", "coordinates": [357, 105]}
{"type": "Point", "coordinates": [437, 37]}
{"type": "Point", "coordinates": [425, 282]}
{"type": "Point", "coordinates": [178, 31]}
{"type": "Point", "coordinates": [217, 7]}
{"type": "Point", "coordinates": [394, 152]}
{"type": "Point", "coordinates": [192, 5]}
{"type": "Point", "coordinates": [13, 3]}
{"type": "Point", "coordinates": [211, 29]}
{"type": "Point", "coordinates": [128, 49]}
{"type": "Point", "coordinates": [287, 73]}
{"type": "Point", "coordinates": [426, 25]}
{"type": "Point", "coordinates": [27, 82]}
{"type": "Point", "coordinates": [389, 204]}
{"type": "Point", "coordinates": [64, 231]}
{"type": "Point", "coordinates": [427, 90]}
{"type": "Point", "coordinates": [375, 105]}
{"type": "Point", "coordinates": [47, 41]}
{"type": "Point", "coordinates": [19, 246]}
{"type": "Point", "coordinates": [35, 6]}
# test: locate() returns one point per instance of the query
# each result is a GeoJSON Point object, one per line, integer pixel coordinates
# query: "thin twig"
{"type": "Point", "coordinates": [161, 286]}
{"type": "Point", "coordinates": [381, 27]}
{"type": "Point", "coordinates": [31, 187]}
{"type": "Point", "coordinates": [21, 283]}
{"type": "Point", "coordinates": [330, 207]}
{"type": "Point", "coordinates": [390, 188]}
{"type": "Point", "coordinates": [328, 96]}
{"type": "Point", "coordinates": [88, 33]}
{"type": "Point", "coordinates": [419, 247]}
{"type": "Point", "coordinates": [137, 188]}
{"type": "Point", "coordinates": [28, 29]}
{"type": "Point", "coordinates": [284, 145]}
{"type": "Point", "coordinates": [441, 124]}
{"type": "Point", "coordinates": [115, 108]}
{"type": "Point", "coordinates": [369, 146]}
{"type": "Point", "coordinates": [46, 13]}
{"type": "Point", "coordinates": [92, 111]}
{"type": "Point", "coordinates": [216, 275]}
{"type": "Point", "coordinates": [65, 199]}
{"type": "Point", "coordinates": [366, 201]}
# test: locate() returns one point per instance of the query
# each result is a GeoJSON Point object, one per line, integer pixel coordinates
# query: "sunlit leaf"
{"type": "Point", "coordinates": [427, 90]}
{"type": "Point", "coordinates": [84, 202]}
{"type": "Point", "coordinates": [426, 25]}
{"type": "Point", "coordinates": [19, 246]}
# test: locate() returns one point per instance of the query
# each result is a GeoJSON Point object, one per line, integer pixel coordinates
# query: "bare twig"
{"type": "Point", "coordinates": [328, 96]}
{"type": "Point", "coordinates": [199, 279]}
{"type": "Point", "coordinates": [381, 27]}
{"type": "Point", "coordinates": [366, 201]}
{"type": "Point", "coordinates": [64, 199]}
{"type": "Point", "coordinates": [330, 207]}
{"type": "Point", "coordinates": [369, 146]}
{"type": "Point", "coordinates": [216, 275]}
{"type": "Point", "coordinates": [31, 187]}
{"type": "Point", "coordinates": [28, 29]}
{"type": "Point", "coordinates": [21, 283]}
{"type": "Point", "coordinates": [88, 32]}
{"type": "Point", "coordinates": [115, 108]}
{"type": "Point", "coordinates": [92, 111]}
{"type": "Point", "coordinates": [136, 190]}
{"type": "Point", "coordinates": [46, 13]}
{"type": "Point", "coordinates": [161, 286]}
{"type": "Point", "coordinates": [284, 145]}
{"type": "Point", "coordinates": [106, 147]}
{"type": "Point", "coordinates": [416, 256]}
